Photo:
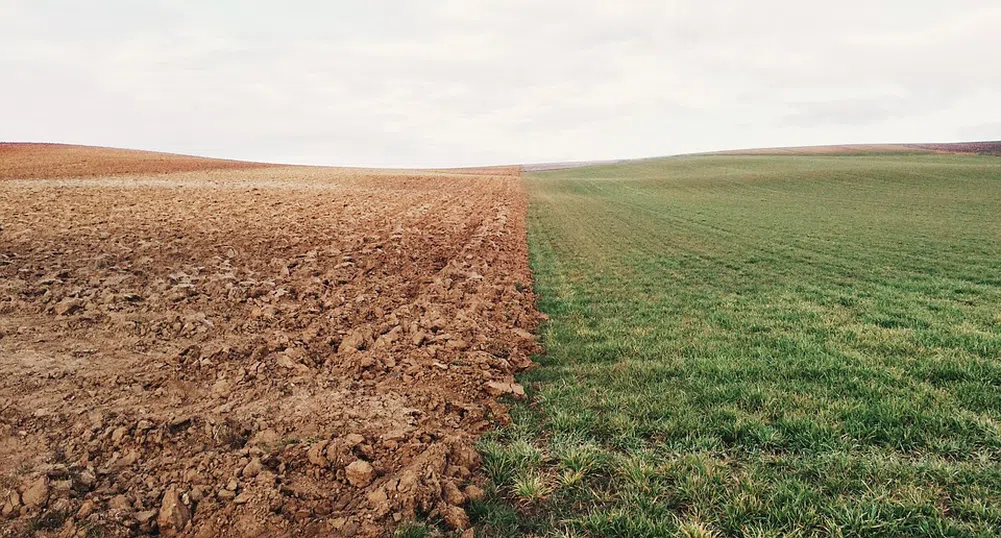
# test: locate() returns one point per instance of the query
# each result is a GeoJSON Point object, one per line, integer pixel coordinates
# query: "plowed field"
{"type": "Point", "coordinates": [248, 350]}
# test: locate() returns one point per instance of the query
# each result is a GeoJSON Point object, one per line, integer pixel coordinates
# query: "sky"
{"type": "Point", "coordinates": [468, 82]}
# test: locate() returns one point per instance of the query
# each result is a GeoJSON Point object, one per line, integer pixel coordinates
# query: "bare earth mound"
{"type": "Point", "coordinates": [32, 161]}
{"type": "Point", "coordinates": [283, 351]}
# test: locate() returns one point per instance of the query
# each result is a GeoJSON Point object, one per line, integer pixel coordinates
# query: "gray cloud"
{"type": "Point", "coordinates": [476, 82]}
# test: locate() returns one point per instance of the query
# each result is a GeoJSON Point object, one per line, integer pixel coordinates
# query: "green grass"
{"type": "Point", "coordinates": [414, 530]}
{"type": "Point", "coordinates": [760, 346]}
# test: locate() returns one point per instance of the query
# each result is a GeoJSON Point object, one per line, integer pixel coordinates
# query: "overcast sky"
{"type": "Point", "coordinates": [461, 82]}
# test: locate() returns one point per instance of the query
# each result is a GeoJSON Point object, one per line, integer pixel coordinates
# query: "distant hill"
{"type": "Point", "coordinates": [37, 160]}
{"type": "Point", "coordinates": [541, 167]}
{"type": "Point", "coordinates": [34, 161]}
{"type": "Point", "coordinates": [972, 148]}
{"type": "Point", "coordinates": [978, 148]}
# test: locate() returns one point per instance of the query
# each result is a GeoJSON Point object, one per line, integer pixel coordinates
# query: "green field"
{"type": "Point", "coordinates": [760, 346]}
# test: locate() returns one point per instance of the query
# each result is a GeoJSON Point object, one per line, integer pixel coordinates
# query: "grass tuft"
{"type": "Point", "coordinates": [695, 529]}
{"type": "Point", "coordinates": [530, 488]}
{"type": "Point", "coordinates": [414, 530]}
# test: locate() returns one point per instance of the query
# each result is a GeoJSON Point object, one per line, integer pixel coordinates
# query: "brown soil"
{"type": "Point", "coordinates": [32, 161]}
{"type": "Point", "coordinates": [284, 351]}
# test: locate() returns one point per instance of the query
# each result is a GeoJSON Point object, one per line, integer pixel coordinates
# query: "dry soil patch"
{"type": "Point", "coordinates": [265, 351]}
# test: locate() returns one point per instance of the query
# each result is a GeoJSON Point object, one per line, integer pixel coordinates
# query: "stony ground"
{"type": "Point", "coordinates": [254, 351]}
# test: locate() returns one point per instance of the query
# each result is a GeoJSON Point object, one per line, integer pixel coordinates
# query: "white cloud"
{"type": "Point", "coordinates": [470, 82]}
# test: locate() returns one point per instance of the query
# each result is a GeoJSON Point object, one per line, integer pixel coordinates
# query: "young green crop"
{"type": "Point", "coordinates": [761, 346]}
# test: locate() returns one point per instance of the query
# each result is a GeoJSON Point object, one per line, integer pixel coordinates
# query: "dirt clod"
{"type": "Point", "coordinates": [86, 509]}
{"type": "Point", "coordinates": [37, 493]}
{"type": "Point", "coordinates": [474, 492]}
{"type": "Point", "coordinates": [359, 473]}
{"type": "Point", "coordinates": [252, 469]}
{"type": "Point", "coordinates": [452, 494]}
{"type": "Point", "coordinates": [497, 388]}
{"type": "Point", "coordinates": [173, 515]}
{"type": "Point", "coordinates": [120, 503]}
{"type": "Point", "coordinates": [455, 517]}
{"type": "Point", "coordinates": [69, 306]}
